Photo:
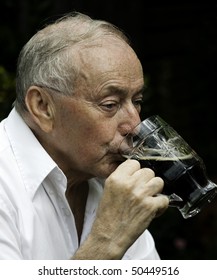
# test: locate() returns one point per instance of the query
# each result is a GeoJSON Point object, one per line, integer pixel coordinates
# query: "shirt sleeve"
{"type": "Point", "coordinates": [9, 235]}
{"type": "Point", "coordinates": [142, 249]}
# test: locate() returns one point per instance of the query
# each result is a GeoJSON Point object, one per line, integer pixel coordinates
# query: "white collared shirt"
{"type": "Point", "coordinates": [35, 219]}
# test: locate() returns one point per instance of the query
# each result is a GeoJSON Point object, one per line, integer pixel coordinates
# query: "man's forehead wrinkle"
{"type": "Point", "coordinates": [123, 91]}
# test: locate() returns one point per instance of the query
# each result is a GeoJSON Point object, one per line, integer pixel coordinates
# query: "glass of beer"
{"type": "Point", "coordinates": [156, 145]}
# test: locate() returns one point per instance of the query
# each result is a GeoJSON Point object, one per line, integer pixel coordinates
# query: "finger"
{"type": "Point", "coordinates": [154, 186]}
{"type": "Point", "coordinates": [158, 204]}
{"type": "Point", "coordinates": [163, 202]}
{"type": "Point", "coordinates": [128, 167]}
{"type": "Point", "coordinates": [163, 198]}
{"type": "Point", "coordinates": [145, 174]}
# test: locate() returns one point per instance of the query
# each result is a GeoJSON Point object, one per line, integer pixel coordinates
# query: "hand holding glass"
{"type": "Point", "coordinates": [156, 145]}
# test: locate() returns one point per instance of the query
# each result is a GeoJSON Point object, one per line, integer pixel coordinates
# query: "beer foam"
{"type": "Point", "coordinates": [158, 157]}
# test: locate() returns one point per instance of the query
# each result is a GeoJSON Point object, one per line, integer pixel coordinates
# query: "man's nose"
{"type": "Point", "coordinates": [129, 119]}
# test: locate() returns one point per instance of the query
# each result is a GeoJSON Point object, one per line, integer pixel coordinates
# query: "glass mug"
{"type": "Point", "coordinates": [156, 145]}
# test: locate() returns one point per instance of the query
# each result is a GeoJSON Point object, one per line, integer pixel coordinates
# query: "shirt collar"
{"type": "Point", "coordinates": [33, 161]}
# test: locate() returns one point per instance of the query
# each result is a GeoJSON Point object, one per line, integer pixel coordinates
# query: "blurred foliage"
{"type": "Point", "coordinates": [7, 92]}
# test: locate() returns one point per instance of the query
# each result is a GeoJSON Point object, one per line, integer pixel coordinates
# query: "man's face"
{"type": "Point", "coordinates": [105, 107]}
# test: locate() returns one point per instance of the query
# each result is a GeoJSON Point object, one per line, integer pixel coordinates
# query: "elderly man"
{"type": "Point", "coordinates": [65, 191]}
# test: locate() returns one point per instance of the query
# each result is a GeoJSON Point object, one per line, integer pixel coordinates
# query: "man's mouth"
{"type": "Point", "coordinates": [117, 157]}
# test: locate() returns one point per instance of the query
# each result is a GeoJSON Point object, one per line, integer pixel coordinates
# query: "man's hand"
{"type": "Point", "coordinates": [128, 205]}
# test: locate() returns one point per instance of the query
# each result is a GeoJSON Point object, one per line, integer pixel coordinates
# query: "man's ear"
{"type": "Point", "coordinates": [41, 107]}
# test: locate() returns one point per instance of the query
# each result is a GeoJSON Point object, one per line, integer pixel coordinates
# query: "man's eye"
{"type": "Point", "coordinates": [138, 103]}
{"type": "Point", "coordinates": [110, 106]}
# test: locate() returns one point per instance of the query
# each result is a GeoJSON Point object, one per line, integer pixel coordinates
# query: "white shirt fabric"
{"type": "Point", "coordinates": [35, 219]}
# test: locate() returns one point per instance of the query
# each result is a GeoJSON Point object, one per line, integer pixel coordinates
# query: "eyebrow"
{"type": "Point", "coordinates": [124, 92]}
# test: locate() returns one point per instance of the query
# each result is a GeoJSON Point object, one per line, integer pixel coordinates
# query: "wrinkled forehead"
{"type": "Point", "coordinates": [109, 54]}
{"type": "Point", "coordinates": [109, 64]}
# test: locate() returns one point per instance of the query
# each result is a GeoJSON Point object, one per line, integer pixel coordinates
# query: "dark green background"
{"type": "Point", "coordinates": [177, 45]}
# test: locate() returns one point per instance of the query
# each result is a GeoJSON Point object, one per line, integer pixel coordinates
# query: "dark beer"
{"type": "Point", "coordinates": [158, 146]}
{"type": "Point", "coordinates": [184, 176]}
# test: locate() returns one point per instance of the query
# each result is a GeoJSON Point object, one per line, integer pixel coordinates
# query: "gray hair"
{"type": "Point", "coordinates": [44, 60]}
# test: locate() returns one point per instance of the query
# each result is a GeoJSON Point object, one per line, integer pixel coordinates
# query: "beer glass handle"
{"type": "Point", "coordinates": [174, 200]}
